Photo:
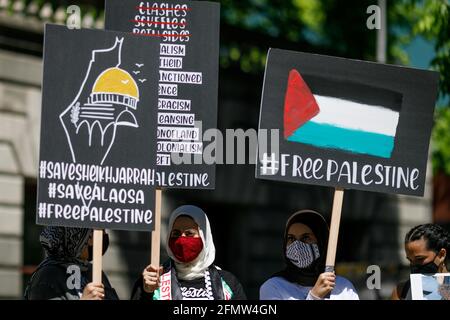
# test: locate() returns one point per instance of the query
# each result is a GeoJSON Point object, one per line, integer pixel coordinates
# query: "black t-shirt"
{"type": "Point", "coordinates": [194, 289]}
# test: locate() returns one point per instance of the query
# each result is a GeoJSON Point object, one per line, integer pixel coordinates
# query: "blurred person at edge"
{"type": "Point", "coordinates": [190, 273]}
{"type": "Point", "coordinates": [65, 248]}
{"type": "Point", "coordinates": [304, 247]}
{"type": "Point", "coordinates": [426, 248]}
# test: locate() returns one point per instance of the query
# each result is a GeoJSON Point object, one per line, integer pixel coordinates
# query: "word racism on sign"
{"type": "Point", "coordinates": [187, 33]}
{"type": "Point", "coordinates": [347, 123]}
{"type": "Point", "coordinates": [97, 130]}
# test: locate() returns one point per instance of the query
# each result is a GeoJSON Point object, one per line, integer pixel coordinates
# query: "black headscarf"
{"type": "Point", "coordinates": [306, 276]}
{"type": "Point", "coordinates": [64, 245]}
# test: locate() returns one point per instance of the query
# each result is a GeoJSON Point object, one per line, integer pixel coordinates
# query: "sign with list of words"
{"type": "Point", "coordinates": [187, 33]}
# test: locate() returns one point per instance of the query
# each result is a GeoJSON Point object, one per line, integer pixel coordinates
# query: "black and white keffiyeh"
{"type": "Point", "coordinates": [302, 254]}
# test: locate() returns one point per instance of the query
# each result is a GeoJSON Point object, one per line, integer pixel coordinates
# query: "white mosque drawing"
{"type": "Point", "coordinates": [108, 105]}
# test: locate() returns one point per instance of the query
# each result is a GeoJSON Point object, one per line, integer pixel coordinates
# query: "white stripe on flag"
{"type": "Point", "coordinates": [357, 116]}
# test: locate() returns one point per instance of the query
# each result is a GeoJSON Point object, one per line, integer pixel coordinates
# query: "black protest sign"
{"type": "Point", "coordinates": [346, 123]}
{"type": "Point", "coordinates": [98, 138]}
{"type": "Point", "coordinates": [187, 33]}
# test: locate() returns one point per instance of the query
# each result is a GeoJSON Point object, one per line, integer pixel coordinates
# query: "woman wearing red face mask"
{"type": "Point", "coordinates": [190, 273]}
{"type": "Point", "coordinates": [426, 248]}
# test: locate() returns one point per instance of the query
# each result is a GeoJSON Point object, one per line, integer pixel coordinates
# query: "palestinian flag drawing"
{"type": "Point", "coordinates": [335, 114]}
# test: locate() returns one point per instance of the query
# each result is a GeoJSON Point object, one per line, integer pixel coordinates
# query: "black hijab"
{"type": "Point", "coordinates": [64, 245]}
{"type": "Point", "coordinates": [306, 276]}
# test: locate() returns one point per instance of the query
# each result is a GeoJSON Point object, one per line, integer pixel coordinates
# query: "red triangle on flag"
{"type": "Point", "coordinates": [300, 106]}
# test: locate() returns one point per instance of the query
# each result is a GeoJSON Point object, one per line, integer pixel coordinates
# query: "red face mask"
{"type": "Point", "coordinates": [186, 249]}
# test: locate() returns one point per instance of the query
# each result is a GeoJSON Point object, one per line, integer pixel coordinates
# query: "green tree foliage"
{"type": "Point", "coordinates": [430, 19]}
{"type": "Point", "coordinates": [441, 141]}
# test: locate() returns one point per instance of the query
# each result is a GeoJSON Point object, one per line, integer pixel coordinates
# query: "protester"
{"type": "Point", "coordinates": [65, 272]}
{"type": "Point", "coordinates": [426, 248]}
{"type": "Point", "coordinates": [189, 274]}
{"type": "Point", "coordinates": [304, 250]}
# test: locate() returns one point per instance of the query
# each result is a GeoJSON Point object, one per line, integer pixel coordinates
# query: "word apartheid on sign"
{"type": "Point", "coordinates": [98, 135]}
{"type": "Point", "coordinates": [187, 34]}
{"type": "Point", "coordinates": [346, 123]}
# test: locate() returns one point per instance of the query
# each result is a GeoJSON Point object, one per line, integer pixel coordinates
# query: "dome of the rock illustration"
{"type": "Point", "coordinates": [115, 85]}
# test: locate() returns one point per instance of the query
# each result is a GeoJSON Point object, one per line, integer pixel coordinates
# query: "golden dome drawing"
{"type": "Point", "coordinates": [115, 85]}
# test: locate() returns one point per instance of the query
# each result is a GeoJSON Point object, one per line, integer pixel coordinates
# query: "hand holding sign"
{"type": "Point", "coordinates": [93, 291]}
{"type": "Point", "coordinates": [150, 278]}
{"type": "Point", "coordinates": [324, 285]}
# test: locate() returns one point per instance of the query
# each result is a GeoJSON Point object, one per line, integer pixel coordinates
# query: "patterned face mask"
{"type": "Point", "coordinates": [302, 254]}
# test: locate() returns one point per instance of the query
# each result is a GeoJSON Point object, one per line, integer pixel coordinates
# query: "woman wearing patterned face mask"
{"type": "Point", "coordinates": [426, 248]}
{"type": "Point", "coordinates": [190, 273]}
{"type": "Point", "coordinates": [304, 246]}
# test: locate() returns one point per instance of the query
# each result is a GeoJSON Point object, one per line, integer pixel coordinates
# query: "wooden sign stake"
{"type": "Point", "coordinates": [98, 255]}
{"type": "Point", "coordinates": [156, 234]}
{"type": "Point", "coordinates": [334, 229]}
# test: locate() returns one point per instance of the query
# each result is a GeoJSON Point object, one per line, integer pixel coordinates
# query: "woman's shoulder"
{"type": "Point", "coordinates": [402, 285]}
{"type": "Point", "coordinates": [278, 288]}
{"type": "Point", "coordinates": [48, 282]}
{"type": "Point", "coordinates": [400, 291]}
{"type": "Point", "coordinates": [51, 272]}
{"type": "Point", "coordinates": [227, 276]}
{"type": "Point", "coordinates": [224, 273]}
{"type": "Point", "coordinates": [279, 284]}
{"type": "Point", "coordinates": [344, 282]}
{"type": "Point", "coordinates": [345, 289]}
{"type": "Point", "coordinates": [232, 281]}
{"type": "Point", "coordinates": [280, 281]}
{"type": "Point", "coordinates": [275, 282]}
